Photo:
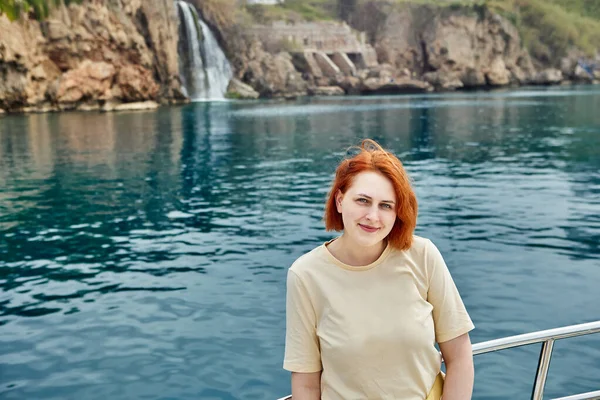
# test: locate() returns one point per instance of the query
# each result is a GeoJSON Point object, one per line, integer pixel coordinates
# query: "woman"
{"type": "Point", "coordinates": [365, 310]}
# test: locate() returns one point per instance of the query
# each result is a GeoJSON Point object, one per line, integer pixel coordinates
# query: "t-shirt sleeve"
{"type": "Point", "coordinates": [450, 316]}
{"type": "Point", "coordinates": [302, 352]}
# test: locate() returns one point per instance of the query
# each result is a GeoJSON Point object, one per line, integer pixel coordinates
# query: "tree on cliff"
{"type": "Point", "coordinates": [39, 8]}
{"type": "Point", "coordinates": [346, 8]}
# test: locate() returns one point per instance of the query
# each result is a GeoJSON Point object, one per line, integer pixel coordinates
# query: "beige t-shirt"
{"type": "Point", "coordinates": [372, 329]}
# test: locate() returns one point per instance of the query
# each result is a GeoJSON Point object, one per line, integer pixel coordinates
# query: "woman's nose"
{"type": "Point", "coordinates": [373, 214]}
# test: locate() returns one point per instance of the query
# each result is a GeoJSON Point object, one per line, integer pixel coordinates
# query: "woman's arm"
{"type": "Point", "coordinates": [306, 386]}
{"type": "Point", "coordinates": [458, 357]}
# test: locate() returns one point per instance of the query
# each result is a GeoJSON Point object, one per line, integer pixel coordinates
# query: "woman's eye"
{"type": "Point", "coordinates": [388, 206]}
{"type": "Point", "coordinates": [362, 200]}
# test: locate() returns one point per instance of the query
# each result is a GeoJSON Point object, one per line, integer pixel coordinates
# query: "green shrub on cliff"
{"type": "Point", "coordinates": [294, 10]}
{"type": "Point", "coordinates": [585, 8]}
{"type": "Point", "coordinates": [12, 8]}
{"type": "Point", "coordinates": [312, 10]}
{"type": "Point", "coordinates": [549, 28]}
{"type": "Point", "coordinates": [39, 9]}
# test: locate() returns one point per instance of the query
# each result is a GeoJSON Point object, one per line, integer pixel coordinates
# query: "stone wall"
{"type": "Point", "coordinates": [328, 37]}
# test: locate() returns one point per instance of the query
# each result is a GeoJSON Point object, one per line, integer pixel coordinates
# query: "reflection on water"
{"type": "Point", "coordinates": [144, 254]}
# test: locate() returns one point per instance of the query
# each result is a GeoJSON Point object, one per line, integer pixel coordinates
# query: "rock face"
{"type": "Point", "coordinates": [85, 55]}
{"type": "Point", "coordinates": [549, 76]}
{"type": "Point", "coordinates": [450, 47]}
{"type": "Point", "coordinates": [327, 91]}
{"type": "Point", "coordinates": [417, 48]}
{"type": "Point", "coordinates": [103, 53]}
{"type": "Point", "coordinates": [497, 74]}
{"type": "Point", "coordinates": [384, 86]}
{"type": "Point", "coordinates": [239, 90]}
{"type": "Point", "coordinates": [89, 80]}
{"type": "Point", "coordinates": [444, 81]}
{"type": "Point", "coordinates": [272, 75]}
{"type": "Point", "coordinates": [136, 106]}
{"type": "Point", "coordinates": [158, 21]}
{"type": "Point", "coordinates": [580, 67]}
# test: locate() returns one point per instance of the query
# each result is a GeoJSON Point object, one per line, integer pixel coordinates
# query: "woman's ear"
{"type": "Point", "coordinates": [339, 196]}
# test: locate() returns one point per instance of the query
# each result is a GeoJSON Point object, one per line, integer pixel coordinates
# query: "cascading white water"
{"type": "Point", "coordinates": [217, 67]}
{"type": "Point", "coordinates": [208, 72]}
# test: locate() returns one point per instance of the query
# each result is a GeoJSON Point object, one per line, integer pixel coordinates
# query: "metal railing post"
{"type": "Point", "coordinates": [583, 396]}
{"type": "Point", "coordinates": [542, 370]}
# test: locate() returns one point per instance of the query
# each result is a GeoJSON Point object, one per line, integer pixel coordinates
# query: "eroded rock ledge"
{"type": "Point", "coordinates": [91, 56]}
{"type": "Point", "coordinates": [416, 49]}
{"type": "Point", "coordinates": [103, 55]}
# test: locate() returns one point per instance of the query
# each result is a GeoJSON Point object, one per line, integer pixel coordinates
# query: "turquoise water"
{"type": "Point", "coordinates": [143, 255]}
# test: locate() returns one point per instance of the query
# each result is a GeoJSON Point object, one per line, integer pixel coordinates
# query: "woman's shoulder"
{"type": "Point", "coordinates": [309, 260]}
{"type": "Point", "coordinates": [420, 242]}
{"type": "Point", "coordinates": [419, 252]}
{"type": "Point", "coordinates": [419, 246]}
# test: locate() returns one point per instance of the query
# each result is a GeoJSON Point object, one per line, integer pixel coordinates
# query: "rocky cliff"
{"type": "Point", "coordinates": [96, 55]}
{"type": "Point", "coordinates": [456, 47]}
{"type": "Point", "coordinates": [108, 54]}
{"type": "Point", "coordinates": [417, 47]}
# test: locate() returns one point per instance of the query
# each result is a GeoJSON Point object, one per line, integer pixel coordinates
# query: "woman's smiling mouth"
{"type": "Point", "coordinates": [367, 228]}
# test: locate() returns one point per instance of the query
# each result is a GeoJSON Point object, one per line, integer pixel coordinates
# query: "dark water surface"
{"type": "Point", "coordinates": [143, 255]}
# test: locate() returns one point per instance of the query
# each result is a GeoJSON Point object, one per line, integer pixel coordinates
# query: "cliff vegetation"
{"type": "Point", "coordinates": [39, 9]}
{"type": "Point", "coordinates": [549, 28]}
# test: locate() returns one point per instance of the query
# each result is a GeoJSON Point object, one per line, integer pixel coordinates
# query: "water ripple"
{"type": "Point", "coordinates": [147, 259]}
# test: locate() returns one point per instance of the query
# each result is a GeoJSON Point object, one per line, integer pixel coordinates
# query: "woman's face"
{"type": "Point", "coordinates": [368, 208]}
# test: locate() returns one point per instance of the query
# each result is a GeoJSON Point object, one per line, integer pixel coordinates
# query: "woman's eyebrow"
{"type": "Point", "coordinates": [370, 198]}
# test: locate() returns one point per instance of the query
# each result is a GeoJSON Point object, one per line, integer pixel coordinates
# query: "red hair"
{"type": "Point", "coordinates": [372, 157]}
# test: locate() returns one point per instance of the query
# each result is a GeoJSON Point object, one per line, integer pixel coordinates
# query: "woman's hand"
{"type": "Point", "coordinates": [458, 357]}
{"type": "Point", "coordinates": [306, 386]}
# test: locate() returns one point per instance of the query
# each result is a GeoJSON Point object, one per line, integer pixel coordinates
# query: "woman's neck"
{"type": "Point", "coordinates": [352, 254]}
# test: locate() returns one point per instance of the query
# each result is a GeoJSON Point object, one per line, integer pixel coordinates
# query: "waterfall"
{"type": "Point", "coordinates": [204, 69]}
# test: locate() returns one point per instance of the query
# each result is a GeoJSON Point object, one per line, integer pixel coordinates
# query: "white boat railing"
{"type": "Point", "coordinates": [547, 338]}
